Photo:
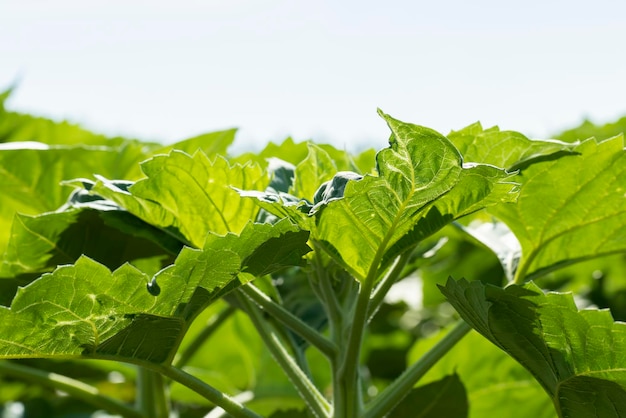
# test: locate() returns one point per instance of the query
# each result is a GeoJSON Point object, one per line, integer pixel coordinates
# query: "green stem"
{"type": "Point", "coordinates": [348, 372]}
{"type": "Point", "coordinates": [314, 399]}
{"type": "Point", "coordinates": [520, 274]}
{"type": "Point", "coordinates": [329, 299]}
{"type": "Point", "coordinates": [290, 320]}
{"type": "Point", "coordinates": [151, 397]}
{"type": "Point", "coordinates": [227, 403]}
{"type": "Point", "coordinates": [214, 323]}
{"type": "Point", "coordinates": [396, 391]}
{"type": "Point", "coordinates": [72, 387]}
{"type": "Point", "coordinates": [386, 282]}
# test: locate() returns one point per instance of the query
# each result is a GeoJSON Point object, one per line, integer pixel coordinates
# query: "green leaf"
{"type": "Point", "coordinates": [86, 310]}
{"type": "Point", "coordinates": [113, 237]}
{"type": "Point", "coordinates": [505, 149]}
{"type": "Point", "coordinates": [211, 144]}
{"type": "Point", "coordinates": [19, 127]}
{"type": "Point", "coordinates": [30, 175]}
{"type": "Point", "coordinates": [444, 398]}
{"type": "Point", "coordinates": [422, 187]}
{"type": "Point", "coordinates": [288, 151]}
{"type": "Point", "coordinates": [570, 209]}
{"type": "Point", "coordinates": [265, 248]}
{"type": "Point", "coordinates": [496, 384]}
{"type": "Point", "coordinates": [314, 170]}
{"type": "Point", "coordinates": [598, 282]}
{"type": "Point", "coordinates": [577, 356]}
{"type": "Point", "coordinates": [189, 196]}
{"type": "Point", "coordinates": [588, 129]}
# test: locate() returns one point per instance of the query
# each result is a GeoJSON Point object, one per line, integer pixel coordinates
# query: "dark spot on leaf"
{"type": "Point", "coordinates": [153, 287]}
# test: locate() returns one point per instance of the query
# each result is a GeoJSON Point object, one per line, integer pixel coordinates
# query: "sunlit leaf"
{"type": "Point", "coordinates": [505, 149]}
{"type": "Point", "coordinates": [211, 144]}
{"type": "Point", "coordinates": [314, 170]}
{"type": "Point", "coordinates": [40, 243]}
{"type": "Point", "coordinates": [570, 208]}
{"type": "Point", "coordinates": [30, 177]}
{"type": "Point", "coordinates": [189, 195]}
{"type": "Point", "coordinates": [422, 187]}
{"type": "Point", "coordinates": [577, 356]}
{"type": "Point", "coordinates": [86, 310]}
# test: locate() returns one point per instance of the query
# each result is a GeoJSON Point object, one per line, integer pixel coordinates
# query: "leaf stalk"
{"type": "Point", "coordinates": [289, 320]}
{"type": "Point", "coordinates": [72, 387]}
{"type": "Point", "coordinates": [398, 389]}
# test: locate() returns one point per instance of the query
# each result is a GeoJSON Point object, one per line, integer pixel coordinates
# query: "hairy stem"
{"type": "Point", "coordinates": [72, 387]}
{"type": "Point", "coordinates": [396, 391]}
{"type": "Point", "coordinates": [289, 320]}
{"type": "Point", "coordinates": [151, 398]}
{"type": "Point", "coordinates": [227, 403]}
{"type": "Point", "coordinates": [314, 399]}
{"type": "Point", "coordinates": [348, 371]}
{"type": "Point", "coordinates": [328, 297]}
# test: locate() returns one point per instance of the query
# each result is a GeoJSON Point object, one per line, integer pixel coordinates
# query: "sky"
{"type": "Point", "coordinates": [166, 71]}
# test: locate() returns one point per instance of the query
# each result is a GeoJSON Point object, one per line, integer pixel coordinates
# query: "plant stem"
{"type": "Point", "coordinates": [328, 298]}
{"type": "Point", "coordinates": [72, 387]}
{"type": "Point", "coordinates": [228, 404]}
{"type": "Point", "coordinates": [290, 320]}
{"type": "Point", "coordinates": [349, 369]}
{"type": "Point", "coordinates": [386, 282]}
{"type": "Point", "coordinates": [326, 293]}
{"type": "Point", "coordinates": [314, 399]}
{"type": "Point", "coordinates": [214, 323]}
{"type": "Point", "coordinates": [396, 391]}
{"type": "Point", "coordinates": [151, 398]}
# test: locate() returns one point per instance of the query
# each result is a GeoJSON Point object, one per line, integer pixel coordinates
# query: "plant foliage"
{"type": "Point", "coordinates": [149, 280]}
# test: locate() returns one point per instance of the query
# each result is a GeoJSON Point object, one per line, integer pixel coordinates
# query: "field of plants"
{"type": "Point", "coordinates": [476, 274]}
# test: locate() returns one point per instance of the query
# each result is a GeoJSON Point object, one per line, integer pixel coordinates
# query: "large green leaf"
{"type": "Point", "coordinates": [579, 357]}
{"type": "Point", "coordinates": [570, 208]}
{"type": "Point", "coordinates": [507, 149]}
{"type": "Point", "coordinates": [598, 282]}
{"type": "Point", "coordinates": [86, 310]}
{"type": "Point", "coordinates": [112, 237]}
{"type": "Point", "coordinates": [18, 127]}
{"type": "Point", "coordinates": [496, 385]}
{"type": "Point", "coordinates": [443, 398]}
{"type": "Point", "coordinates": [422, 187]}
{"type": "Point", "coordinates": [189, 195]}
{"type": "Point", "coordinates": [212, 144]}
{"type": "Point", "coordinates": [31, 174]}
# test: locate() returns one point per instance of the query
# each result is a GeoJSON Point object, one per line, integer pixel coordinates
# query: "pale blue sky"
{"type": "Point", "coordinates": [169, 70]}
